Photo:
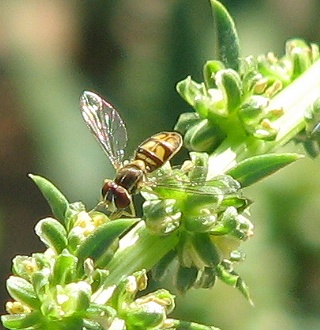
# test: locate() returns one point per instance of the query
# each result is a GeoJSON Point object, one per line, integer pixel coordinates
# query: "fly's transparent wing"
{"type": "Point", "coordinates": [194, 182]}
{"type": "Point", "coordinates": [106, 125]}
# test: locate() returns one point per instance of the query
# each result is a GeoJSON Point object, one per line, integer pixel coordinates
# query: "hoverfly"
{"type": "Point", "coordinates": [108, 128]}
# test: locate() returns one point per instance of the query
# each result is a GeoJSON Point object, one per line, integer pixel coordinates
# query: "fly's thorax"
{"type": "Point", "coordinates": [158, 149]}
{"type": "Point", "coordinates": [132, 176]}
{"type": "Point", "coordinates": [115, 196]}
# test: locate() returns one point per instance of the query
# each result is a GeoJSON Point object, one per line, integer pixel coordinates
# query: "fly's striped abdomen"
{"type": "Point", "coordinates": [158, 149]}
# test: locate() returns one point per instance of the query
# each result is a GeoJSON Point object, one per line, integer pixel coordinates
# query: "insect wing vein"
{"type": "Point", "coordinates": [106, 125]}
{"type": "Point", "coordinates": [217, 186]}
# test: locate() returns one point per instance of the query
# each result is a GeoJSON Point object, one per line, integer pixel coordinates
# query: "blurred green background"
{"type": "Point", "coordinates": [133, 53]}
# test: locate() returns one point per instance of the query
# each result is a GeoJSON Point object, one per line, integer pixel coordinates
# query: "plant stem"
{"type": "Point", "coordinates": [138, 249]}
{"type": "Point", "coordinates": [294, 100]}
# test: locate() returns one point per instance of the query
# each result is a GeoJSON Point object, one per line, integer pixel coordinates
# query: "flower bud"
{"type": "Point", "coordinates": [203, 137]}
{"type": "Point", "coordinates": [186, 121]}
{"type": "Point", "coordinates": [274, 69]}
{"type": "Point", "coordinates": [190, 90]}
{"type": "Point", "coordinates": [209, 70]}
{"type": "Point", "coordinates": [253, 110]}
{"type": "Point", "coordinates": [230, 84]}
{"type": "Point", "coordinates": [161, 216]}
{"type": "Point", "coordinates": [25, 266]}
{"type": "Point", "coordinates": [199, 223]}
{"type": "Point", "coordinates": [299, 52]}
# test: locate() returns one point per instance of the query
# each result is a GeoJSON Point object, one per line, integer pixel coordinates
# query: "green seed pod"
{"type": "Point", "coordinates": [265, 131]}
{"type": "Point", "coordinates": [67, 300]}
{"type": "Point", "coordinates": [52, 234]}
{"type": "Point", "coordinates": [150, 311]}
{"type": "Point", "coordinates": [203, 137]}
{"type": "Point", "coordinates": [199, 159]}
{"type": "Point", "coordinates": [185, 278]}
{"type": "Point", "coordinates": [40, 282]}
{"type": "Point", "coordinates": [273, 89]}
{"type": "Point", "coordinates": [235, 224]}
{"type": "Point", "coordinates": [199, 166]}
{"type": "Point", "coordinates": [79, 296]}
{"type": "Point", "coordinates": [253, 82]}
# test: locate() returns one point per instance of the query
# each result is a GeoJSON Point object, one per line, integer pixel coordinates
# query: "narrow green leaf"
{"type": "Point", "coordinates": [256, 168]}
{"type": "Point", "coordinates": [209, 71]}
{"type": "Point", "coordinates": [52, 233]}
{"type": "Point", "coordinates": [23, 321]}
{"type": "Point", "coordinates": [162, 267]}
{"type": "Point", "coordinates": [230, 84]}
{"type": "Point", "coordinates": [22, 291]}
{"type": "Point", "coordinates": [185, 278]}
{"type": "Point", "coordinates": [207, 278]}
{"type": "Point", "coordinates": [226, 36]}
{"type": "Point", "coordinates": [226, 274]}
{"type": "Point", "coordinates": [64, 268]}
{"type": "Point", "coordinates": [102, 238]}
{"type": "Point", "coordinates": [190, 90]}
{"type": "Point", "coordinates": [206, 249]}
{"type": "Point", "coordinates": [57, 201]}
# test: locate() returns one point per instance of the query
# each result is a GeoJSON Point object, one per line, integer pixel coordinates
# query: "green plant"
{"type": "Point", "coordinates": [245, 110]}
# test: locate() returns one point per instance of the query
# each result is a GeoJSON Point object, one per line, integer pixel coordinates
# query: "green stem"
{"type": "Point", "coordinates": [294, 100]}
{"type": "Point", "coordinates": [138, 249]}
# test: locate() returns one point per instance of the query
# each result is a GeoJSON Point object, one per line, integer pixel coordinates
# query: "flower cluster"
{"type": "Point", "coordinates": [209, 218]}
{"type": "Point", "coordinates": [235, 104]}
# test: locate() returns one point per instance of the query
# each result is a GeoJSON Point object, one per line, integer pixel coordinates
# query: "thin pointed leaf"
{"type": "Point", "coordinates": [57, 201]}
{"type": "Point", "coordinates": [102, 238]}
{"type": "Point", "coordinates": [226, 36]}
{"type": "Point", "coordinates": [256, 168]}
